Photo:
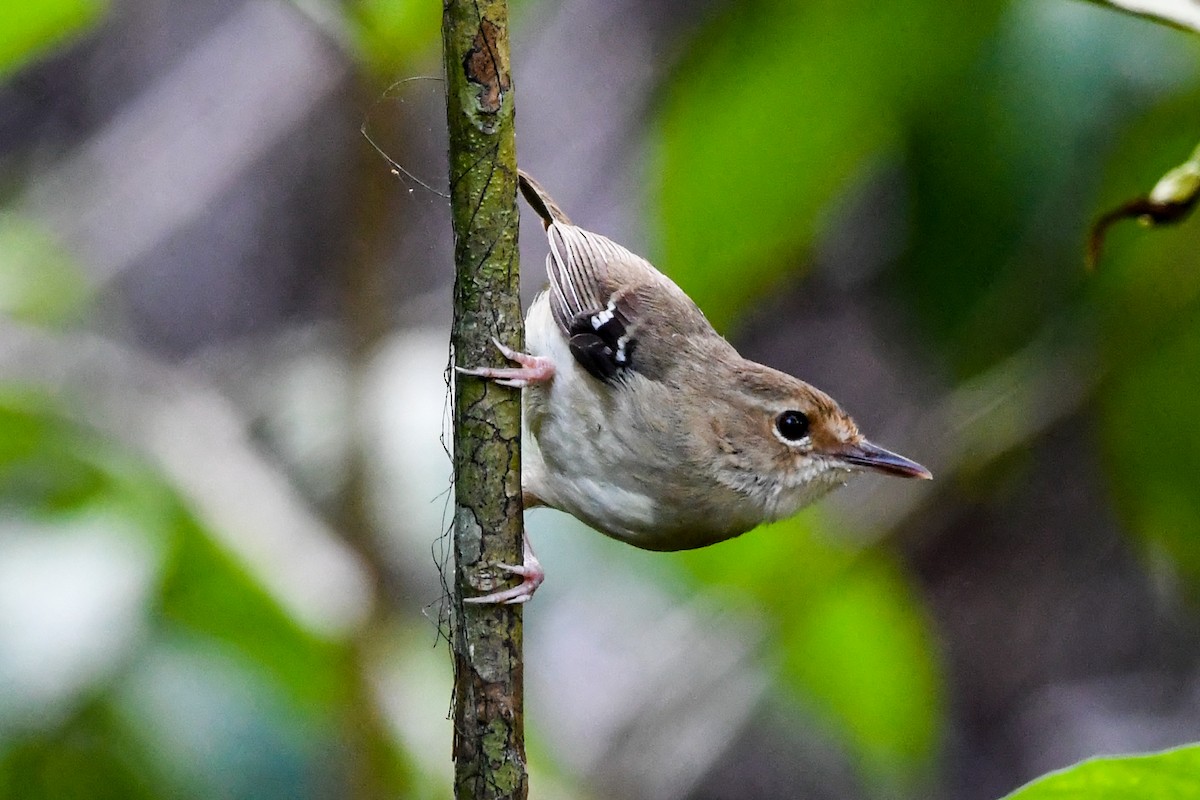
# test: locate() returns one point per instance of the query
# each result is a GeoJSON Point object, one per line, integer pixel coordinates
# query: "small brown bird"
{"type": "Point", "coordinates": [643, 422]}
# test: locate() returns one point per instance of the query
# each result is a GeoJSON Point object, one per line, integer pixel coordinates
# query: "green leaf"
{"type": "Point", "coordinates": [43, 463]}
{"type": "Point", "coordinates": [208, 628]}
{"type": "Point", "coordinates": [206, 591]}
{"type": "Point", "coordinates": [1148, 414]}
{"type": "Point", "coordinates": [775, 113]}
{"type": "Point", "coordinates": [39, 282]}
{"type": "Point", "coordinates": [1170, 775]}
{"type": "Point", "coordinates": [95, 761]}
{"type": "Point", "coordinates": [390, 34]}
{"type": "Point", "coordinates": [852, 638]}
{"type": "Point", "coordinates": [52, 469]}
{"type": "Point", "coordinates": [1147, 301]}
{"type": "Point", "coordinates": [30, 29]}
{"type": "Point", "coordinates": [863, 651]}
{"type": "Point", "coordinates": [1000, 180]}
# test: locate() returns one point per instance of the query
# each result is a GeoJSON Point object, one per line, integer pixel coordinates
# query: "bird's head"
{"type": "Point", "coordinates": [783, 443]}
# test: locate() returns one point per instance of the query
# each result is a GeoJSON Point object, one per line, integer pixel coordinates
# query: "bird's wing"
{"type": "Point", "coordinates": [617, 311]}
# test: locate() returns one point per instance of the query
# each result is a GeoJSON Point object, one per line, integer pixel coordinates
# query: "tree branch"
{"type": "Point", "coordinates": [489, 747]}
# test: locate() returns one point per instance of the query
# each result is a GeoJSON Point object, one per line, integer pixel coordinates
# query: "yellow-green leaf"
{"type": "Point", "coordinates": [1170, 775]}
{"type": "Point", "coordinates": [31, 29]}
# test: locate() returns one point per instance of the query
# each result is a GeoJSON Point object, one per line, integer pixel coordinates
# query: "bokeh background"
{"type": "Point", "coordinates": [223, 397]}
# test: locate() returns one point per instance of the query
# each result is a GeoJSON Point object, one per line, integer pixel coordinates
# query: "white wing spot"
{"type": "Point", "coordinates": [621, 356]}
{"type": "Point", "coordinates": [605, 316]}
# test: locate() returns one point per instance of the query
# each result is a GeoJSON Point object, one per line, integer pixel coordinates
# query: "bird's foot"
{"type": "Point", "coordinates": [533, 369]}
{"type": "Point", "coordinates": [531, 573]}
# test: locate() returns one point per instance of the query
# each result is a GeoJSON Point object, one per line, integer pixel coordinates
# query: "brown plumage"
{"type": "Point", "coordinates": [643, 422]}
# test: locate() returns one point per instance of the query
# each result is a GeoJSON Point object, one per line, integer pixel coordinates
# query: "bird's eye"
{"type": "Point", "coordinates": [792, 425]}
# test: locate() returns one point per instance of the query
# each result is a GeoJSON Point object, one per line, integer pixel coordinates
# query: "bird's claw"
{"type": "Point", "coordinates": [533, 369]}
{"type": "Point", "coordinates": [531, 573]}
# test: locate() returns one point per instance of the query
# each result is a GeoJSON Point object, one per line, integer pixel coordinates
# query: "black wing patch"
{"type": "Point", "coordinates": [590, 307]}
{"type": "Point", "coordinates": [601, 341]}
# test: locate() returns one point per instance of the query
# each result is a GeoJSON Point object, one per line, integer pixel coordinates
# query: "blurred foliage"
{"type": "Point", "coordinates": [39, 282]}
{"type": "Point", "coordinates": [776, 109]}
{"type": "Point", "coordinates": [259, 691]}
{"type": "Point", "coordinates": [1149, 414]}
{"type": "Point", "coordinates": [1004, 179]}
{"type": "Point", "coordinates": [1147, 301]}
{"type": "Point", "coordinates": [391, 36]}
{"type": "Point", "coordinates": [851, 637]}
{"type": "Point", "coordinates": [31, 29]}
{"type": "Point", "coordinates": [1172, 775]}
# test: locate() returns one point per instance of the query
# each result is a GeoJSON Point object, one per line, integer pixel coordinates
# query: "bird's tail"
{"type": "Point", "coordinates": [540, 201]}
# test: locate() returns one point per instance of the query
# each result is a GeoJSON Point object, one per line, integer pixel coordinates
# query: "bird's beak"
{"type": "Point", "coordinates": [865, 454]}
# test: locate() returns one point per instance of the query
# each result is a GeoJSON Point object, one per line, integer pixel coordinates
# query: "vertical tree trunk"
{"type": "Point", "coordinates": [489, 746]}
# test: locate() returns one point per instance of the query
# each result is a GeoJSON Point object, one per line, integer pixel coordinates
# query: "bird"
{"type": "Point", "coordinates": [644, 423]}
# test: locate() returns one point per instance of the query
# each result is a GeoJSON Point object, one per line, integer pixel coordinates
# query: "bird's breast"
{"type": "Point", "coordinates": [609, 454]}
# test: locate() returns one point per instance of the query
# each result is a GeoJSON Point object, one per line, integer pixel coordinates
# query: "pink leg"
{"type": "Point", "coordinates": [531, 578]}
{"type": "Point", "coordinates": [533, 369]}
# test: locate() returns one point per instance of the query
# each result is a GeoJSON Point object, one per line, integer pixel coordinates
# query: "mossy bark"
{"type": "Point", "coordinates": [489, 746]}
